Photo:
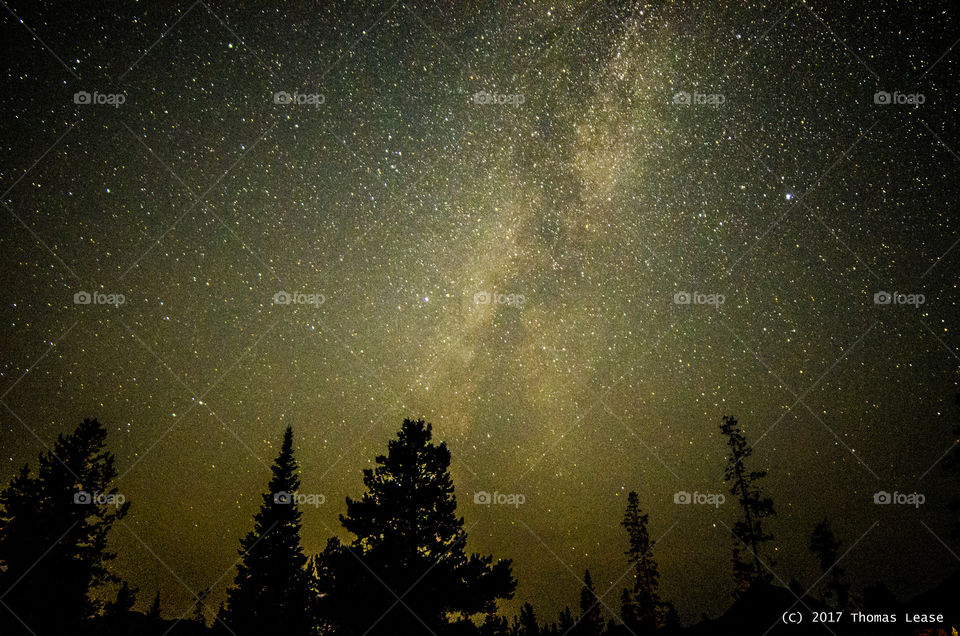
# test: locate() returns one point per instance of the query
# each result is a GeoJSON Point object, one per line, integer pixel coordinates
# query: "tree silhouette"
{"type": "Point", "coordinates": [494, 625]}
{"type": "Point", "coordinates": [154, 612]}
{"type": "Point", "coordinates": [565, 623]}
{"type": "Point", "coordinates": [406, 571]}
{"type": "Point", "coordinates": [749, 532]}
{"type": "Point", "coordinates": [952, 465]}
{"type": "Point", "coordinates": [527, 622]}
{"type": "Point", "coordinates": [628, 610]}
{"type": "Point", "coordinates": [124, 602]}
{"type": "Point", "coordinates": [823, 544]}
{"type": "Point", "coordinates": [53, 534]}
{"type": "Point", "coordinates": [641, 609]}
{"type": "Point", "coordinates": [591, 618]}
{"type": "Point", "coordinates": [321, 582]}
{"type": "Point", "coordinates": [269, 592]}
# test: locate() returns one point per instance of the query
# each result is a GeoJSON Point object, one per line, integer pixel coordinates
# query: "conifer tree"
{"type": "Point", "coordinates": [407, 571]}
{"type": "Point", "coordinates": [591, 617]}
{"type": "Point", "coordinates": [824, 545]}
{"type": "Point", "coordinates": [154, 612]}
{"type": "Point", "coordinates": [641, 609]}
{"type": "Point", "coordinates": [53, 534]}
{"type": "Point", "coordinates": [565, 623]}
{"type": "Point", "coordinates": [952, 465]}
{"type": "Point", "coordinates": [269, 591]}
{"type": "Point", "coordinates": [646, 581]}
{"type": "Point", "coordinates": [749, 531]}
{"type": "Point", "coordinates": [527, 622]}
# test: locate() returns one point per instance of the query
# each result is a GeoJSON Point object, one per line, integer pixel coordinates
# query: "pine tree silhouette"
{"type": "Point", "coordinates": [154, 612]}
{"type": "Point", "coordinates": [824, 545]}
{"type": "Point", "coordinates": [269, 592]}
{"type": "Point", "coordinates": [749, 532]}
{"type": "Point", "coordinates": [952, 465]}
{"type": "Point", "coordinates": [527, 622]}
{"type": "Point", "coordinates": [53, 534]}
{"type": "Point", "coordinates": [591, 618]}
{"type": "Point", "coordinates": [641, 609]}
{"type": "Point", "coordinates": [406, 572]}
{"type": "Point", "coordinates": [565, 623]}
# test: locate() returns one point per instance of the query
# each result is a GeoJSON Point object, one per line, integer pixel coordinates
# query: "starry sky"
{"type": "Point", "coordinates": [490, 211]}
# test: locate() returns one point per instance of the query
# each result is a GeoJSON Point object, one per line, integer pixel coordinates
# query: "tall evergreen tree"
{"type": "Point", "coordinates": [749, 531]}
{"type": "Point", "coordinates": [565, 623]}
{"type": "Point", "coordinates": [406, 571]}
{"type": "Point", "coordinates": [591, 617]}
{"type": "Point", "coordinates": [527, 622]}
{"type": "Point", "coordinates": [646, 574]}
{"type": "Point", "coordinates": [641, 609]}
{"type": "Point", "coordinates": [824, 545]}
{"type": "Point", "coordinates": [952, 465]}
{"type": "Point", "coordinates": [269, 592]}
{"type": "Point", "coordinates": [53, 534]}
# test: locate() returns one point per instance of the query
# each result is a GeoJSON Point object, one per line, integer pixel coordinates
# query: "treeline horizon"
{"type": "Point", "coordinates": [407, 570]}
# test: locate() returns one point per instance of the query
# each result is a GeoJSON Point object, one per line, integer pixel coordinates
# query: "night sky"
{"type": "Point", "coordinates": [494, 209]}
